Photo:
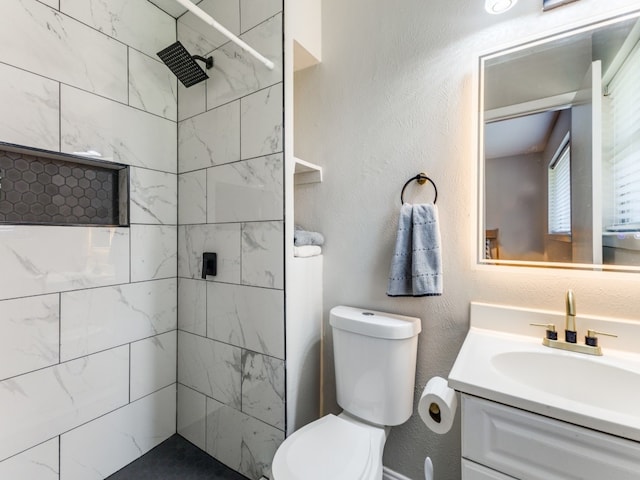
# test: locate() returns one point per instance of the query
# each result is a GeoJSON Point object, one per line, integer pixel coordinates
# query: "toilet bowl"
{"type": "Point", "coordinates": [333, 447]}
{"type": "Point", "coordinates": [375, 360]}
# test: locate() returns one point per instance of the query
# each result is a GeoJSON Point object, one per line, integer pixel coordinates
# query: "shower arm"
{"type": "Point", "coordinates": [208, 62]}
{"type": "Point", "coordinates": [202, 15]}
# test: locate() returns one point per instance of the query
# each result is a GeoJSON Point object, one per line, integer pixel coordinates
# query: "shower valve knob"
{"type": "Point", "coordinates": [209, 264]}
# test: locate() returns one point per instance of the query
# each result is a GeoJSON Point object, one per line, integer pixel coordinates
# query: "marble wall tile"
{"type": "Point", "coordinates": [35, 109]}
{"type": "Point", "coordinates": [153, 364]}
{"type": "Point", "coordinates": [209, 139]}
{"type": "Point", "coordinates": [237, 73]}
{"type": "Point", "coordinates": [254, 12]}
{"type": "Point", "coordinates": [192, 306]}
{"type": "Point", "coordinates": [153, 252]}
{"type": "Point", "coordinates": [210, 367]}
{"type": "Point", "coordinates": [250, 190]}
{"type": "Point", "coordinates": [123, 200]}
{"type": "Point", "coordinates": [262, 254]}
{"type": "Point", "coordinates": [191, 101]}
{"type": "Point", "coordinates": [101, 318]}
{"type": "Point", "coordinates": [248, 317]}
{"type": "Point", "coordinates": [198, 37]}
{"type": "Point", "coordinates": [139, 24]}
{"type": "Point", "coordinates": [172, 7]}
{"type": "Point", "coordinates": [192, 412]}
{"type": "Point", "coordinates": [117, 132]}
{"type": "Point", "coordinates": [47, 402]}
{"type": "Point", "coordinates": [224, 240]}
{"type": "Point", "coordinates": [60, 48]}
{"type": "Point", "coordinates": [263, 391]}
{"type": "Point", "coordinates": [152, 86]}
{"type": "Point", "coordinates": [224, 433]}
{"type": "Point", "coordinates": [261, 122]}
{"type": "Point", "coordinates": [83, 258]}
{"type": "Point", "coordinates": [40, 462]}
{"type": "Point", "coordinates": [196, 43]}
{"type": "Point", "coordinates": [52, 3]}
{"type": "Point", "coordinates": [243, 443]}
{"type": "Point", "coordinates": [90, 111]}
{"type": "Point", "coordinates": [101, 447]}
{"type": "Point", "coordinates": [192, 203]}
{"type": "Point", "coordinates": [29, 334]}
{"type": "Point", "coordinates": [154, 197]}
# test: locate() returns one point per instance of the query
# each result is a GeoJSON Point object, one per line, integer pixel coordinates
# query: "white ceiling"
{"type": "Point", "coordinates": [553, 70]}
{"type": "Point", "coordinates": [518, 136]}
{"type": "Point", "coordinates": [549, 69]}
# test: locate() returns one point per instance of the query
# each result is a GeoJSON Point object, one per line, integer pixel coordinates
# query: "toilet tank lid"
{"type": "Point", "coordinates": [373, 323]}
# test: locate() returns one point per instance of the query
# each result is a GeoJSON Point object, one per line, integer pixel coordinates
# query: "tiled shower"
{"type": "Point", "coordinates": [110, 341]}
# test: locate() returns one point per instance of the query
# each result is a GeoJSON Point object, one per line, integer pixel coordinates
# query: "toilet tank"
{"type": "Point", "coordinates": [375, 363]}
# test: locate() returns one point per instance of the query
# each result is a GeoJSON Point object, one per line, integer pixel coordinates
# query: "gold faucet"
{"type": "Point", "coordinates": [550, 339]}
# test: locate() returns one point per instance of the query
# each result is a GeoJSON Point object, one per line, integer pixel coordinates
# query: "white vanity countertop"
{"type": "Point", "coordinates": [503, 359]}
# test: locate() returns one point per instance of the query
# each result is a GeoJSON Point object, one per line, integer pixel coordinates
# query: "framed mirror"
{"type": "Point", "coordinates": [559, 150]}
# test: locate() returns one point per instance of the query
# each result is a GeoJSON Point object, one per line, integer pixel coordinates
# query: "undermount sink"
{"type": "Point", "coordinates": [579, 379]}
{"type": "Point", "coordinates": [503, 359]}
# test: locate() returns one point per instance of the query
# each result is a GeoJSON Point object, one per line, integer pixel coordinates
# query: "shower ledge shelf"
{"type": "Point", "coordinates": [306, 172]}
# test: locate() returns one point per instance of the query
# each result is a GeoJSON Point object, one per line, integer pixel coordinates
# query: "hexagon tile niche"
{"type": "Point", "coordinates": [59, 191]}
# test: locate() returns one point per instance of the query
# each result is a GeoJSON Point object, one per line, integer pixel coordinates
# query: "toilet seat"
{"type": "Point", "coordinates": [330, 448]}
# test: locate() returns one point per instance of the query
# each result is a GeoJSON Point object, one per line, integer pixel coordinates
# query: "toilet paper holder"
{"type": "Point", "coordinates": [434, 412]}
{"type": "Point", "coordinates": [437, 405]}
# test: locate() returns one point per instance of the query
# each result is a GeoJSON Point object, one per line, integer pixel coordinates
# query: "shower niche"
{"type": "Point", "coordinates": [39, 187]}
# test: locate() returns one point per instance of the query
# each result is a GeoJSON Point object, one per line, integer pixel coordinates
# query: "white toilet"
{"type": "Point", "coordinates": [375, 363]}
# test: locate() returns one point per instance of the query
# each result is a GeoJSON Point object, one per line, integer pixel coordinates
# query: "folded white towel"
{"type": "Point", "coordinates": [307, 251]}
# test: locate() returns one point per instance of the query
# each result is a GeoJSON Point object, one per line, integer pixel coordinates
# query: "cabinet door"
{"type": "Point", "coordinates": [473, 471]}
{"type": "Point", "coordinates": [532, 447]}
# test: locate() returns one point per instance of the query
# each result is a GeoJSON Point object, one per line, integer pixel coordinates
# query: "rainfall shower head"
{"type": "Point", "coordinates": [183, 65]}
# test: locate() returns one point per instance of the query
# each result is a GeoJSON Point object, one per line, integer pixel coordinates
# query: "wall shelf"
{"type": "Point", "coordinates": [304, 279]}
{"type": "Point", "coordinates": [306, 172]}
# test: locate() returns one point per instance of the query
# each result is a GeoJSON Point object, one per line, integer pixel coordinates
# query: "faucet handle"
{"type": "Point", "coordinates": [570, 300]}
{"type": "Point", "coordinates": [592, 340]}
{"type": "Point", "coordinates": [551, 330]}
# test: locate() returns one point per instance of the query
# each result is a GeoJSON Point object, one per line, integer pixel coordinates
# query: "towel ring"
{"type": "Point", "coordinates": [421, 178]}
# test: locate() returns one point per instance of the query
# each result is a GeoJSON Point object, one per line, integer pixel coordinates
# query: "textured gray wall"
{"type": "Point", "coordinates": [393, 96]}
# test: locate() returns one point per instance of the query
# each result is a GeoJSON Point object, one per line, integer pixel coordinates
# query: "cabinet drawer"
{"type": "Point", "coordinates": [473, 471]}
{"type": "Point", "coordinates": [532, 447]}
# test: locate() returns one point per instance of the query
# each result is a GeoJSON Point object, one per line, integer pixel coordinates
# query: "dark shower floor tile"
{"type": "Point", "coordinates": [176, 459]}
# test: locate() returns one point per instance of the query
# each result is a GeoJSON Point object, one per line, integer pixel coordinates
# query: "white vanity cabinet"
{"type": "Point", "coordinates": [475, 471]}
{"type": "Point", "coordinates": [502, 443]}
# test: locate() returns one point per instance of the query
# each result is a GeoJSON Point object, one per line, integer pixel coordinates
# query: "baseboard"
{"type": "Point", "coordinates": [388, 474]}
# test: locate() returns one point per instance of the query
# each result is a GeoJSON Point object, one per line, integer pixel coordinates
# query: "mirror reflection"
{"type": "Point", "coordinates": [560, 129]}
